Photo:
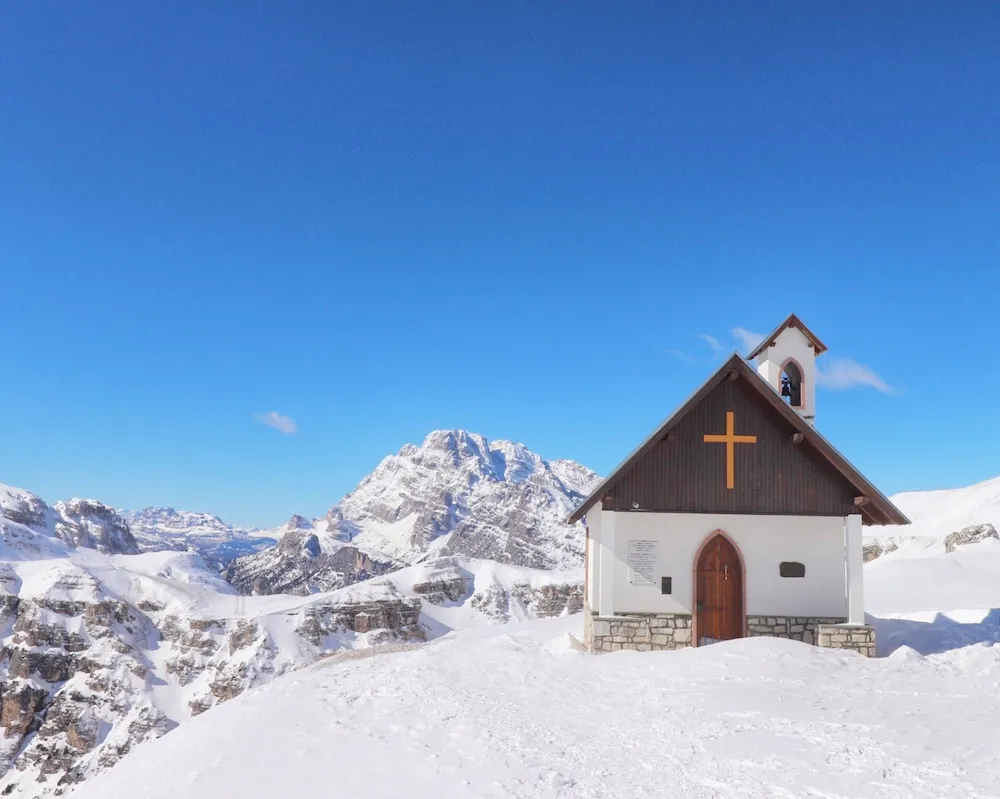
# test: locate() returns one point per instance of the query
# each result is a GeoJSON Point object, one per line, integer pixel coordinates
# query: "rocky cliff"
{"type": "Point", "coordinates": [300, 564]}
{"type": "Point", "coordinates": [27, 521]}
{"type": "Point", "coordinates": [456, 494]}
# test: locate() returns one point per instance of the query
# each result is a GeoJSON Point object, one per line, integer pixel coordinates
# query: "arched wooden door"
{"type": "Point", "coordinates": [718, 592]}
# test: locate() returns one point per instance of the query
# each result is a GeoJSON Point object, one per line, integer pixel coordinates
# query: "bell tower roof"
{"type": "Point", "coordinates": [791, 321]}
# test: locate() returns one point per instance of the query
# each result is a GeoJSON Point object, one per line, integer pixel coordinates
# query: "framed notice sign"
{"type": "Point", "coordinates": [642, 562]}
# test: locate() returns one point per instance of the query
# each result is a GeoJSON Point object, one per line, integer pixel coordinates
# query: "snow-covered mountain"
{"type": "Point", "coordinates": [456, 494]}
{"type": "Point", "coordinates": [157, 528]}
{"type": "Point", "coordinates": [29, 527]}
{"type": "Point", "coordinates": [436, 708]}
{"type": "Point", "coordinates": [101, 650]}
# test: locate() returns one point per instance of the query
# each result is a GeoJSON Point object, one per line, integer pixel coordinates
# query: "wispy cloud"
{"type": "Point", "coordinates": [843, 374]}
{"type": "Point", "coordinates": [680, 356]}
{"type": "Point", "coordinates": [748, 339]}
{"type": "Point", "coordinates": [711, 341]}
{"type": "Point", "coordinates": [278, 421]}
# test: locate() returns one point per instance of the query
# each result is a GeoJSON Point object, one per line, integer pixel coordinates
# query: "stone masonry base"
{"type": "Point", "coordinates": [641, 633]}
{"type": "Point", "coordinates": [646, 633]}
{"type": "Point", "coordinates": [799, 628]}
{"type": "Point", "coordinates": [858, 638]}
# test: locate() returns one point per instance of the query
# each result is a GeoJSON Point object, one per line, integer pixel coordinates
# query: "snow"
{"type": "Point", "coordinates": [518, 712]}
{"type": "Point", "coordinates": [486, 709]}
{"type": "Point", "coordinates": [936, 514]}
{"type": "Point", "coordinates": [392, 539]}
{"type": "Point", "coordinates": [927, 580]}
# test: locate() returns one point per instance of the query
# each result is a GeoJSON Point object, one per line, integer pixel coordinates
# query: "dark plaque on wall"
{"type": "Point", "coordinates": [665, 585]}
{"type": "Point", "coordinates": [789, 568]}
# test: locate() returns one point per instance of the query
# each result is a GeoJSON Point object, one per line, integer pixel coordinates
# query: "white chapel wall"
{"type": "Point", "coordinates": [593, 520]}
{"type": "Point", "coordinates": [765, 541]}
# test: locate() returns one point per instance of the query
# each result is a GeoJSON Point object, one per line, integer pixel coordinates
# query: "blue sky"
{"type": "Point", "coordinates": [524, 219]}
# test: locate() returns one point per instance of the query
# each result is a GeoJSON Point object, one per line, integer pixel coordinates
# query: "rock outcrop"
{"type": "Point", "coordinates": [31, 527]}
{"type": "Point", "coordinates": [969, 535]}
{"type": "Point", "coordinates": [520, 600]}
{"type": "Point", "coordinates": [91, 524]}
{"type": "Point", "coordinates": [876, 550]}
{"type": "Point", "coordinates": [299, 564]}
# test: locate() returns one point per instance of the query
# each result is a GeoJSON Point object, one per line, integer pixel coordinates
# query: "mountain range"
{"type": "Point", "coordinates": [117, 626]}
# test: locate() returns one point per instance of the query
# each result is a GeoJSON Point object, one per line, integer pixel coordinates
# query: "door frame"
{"type": "Point", "coordinates": [694, 583]}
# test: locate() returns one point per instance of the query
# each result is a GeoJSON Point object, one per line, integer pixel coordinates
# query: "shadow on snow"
{"type": "Point", "coordinates": [940, 634]}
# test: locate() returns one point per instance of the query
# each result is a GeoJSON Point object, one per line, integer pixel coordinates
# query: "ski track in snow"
{"type": "Point", "coordinates": [521, 713]}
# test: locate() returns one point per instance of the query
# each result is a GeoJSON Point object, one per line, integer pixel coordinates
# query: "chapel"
{"type": "Point", "coordinates": [734, 518]}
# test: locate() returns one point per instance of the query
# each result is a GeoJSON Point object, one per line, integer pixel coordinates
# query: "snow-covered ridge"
{"type": "Point", "coordinates": [30, 528]}
{"type": "Point", "coordinates": [935, 515]}
{"type": "Point", "coordinates": [158, 528]}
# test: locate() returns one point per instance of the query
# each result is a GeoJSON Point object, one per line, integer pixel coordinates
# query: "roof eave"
{"type": "Point", "coordinates": [879, 502]}
{"type": "Point", "coordinates": [790, 321]}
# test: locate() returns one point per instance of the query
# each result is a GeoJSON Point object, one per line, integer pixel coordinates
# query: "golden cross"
{"type": "Point", "coordinates": [730, 439]}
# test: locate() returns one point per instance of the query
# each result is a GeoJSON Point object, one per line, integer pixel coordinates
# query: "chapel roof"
{"type": "Point", "coordinates": [791, 321]}
{"type": "Point", "coordinates": [872, 504]}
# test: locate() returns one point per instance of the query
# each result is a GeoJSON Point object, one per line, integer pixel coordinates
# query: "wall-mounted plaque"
{"type": "Point", "coordinates": [789, 568]}
{"type": "Point", "coordinates": [642, 562]}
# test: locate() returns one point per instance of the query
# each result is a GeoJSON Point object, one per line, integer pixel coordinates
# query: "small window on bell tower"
{"type": "Point", "coordinates": [791, 384]}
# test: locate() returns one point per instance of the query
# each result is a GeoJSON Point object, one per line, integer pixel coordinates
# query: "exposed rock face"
{"type": "Point", "coordinates": [445, 587]}
{"type": "Point", "coordinates": [969, 535]}
{"type": "Point", "coordinates": [23, 507]}
{"type": "Point", "coordinates": [872, 551]}
{"type": "Point", "coordinates": [493, 500]}
{"type": "Point", "coordinates": [91, 524]}
{"type": "Point", "coordinates": [391, 617]}
{"type": "Point", "coordinates": [157, 529]}
{"type": "Point", "coordinates": [497, 603]}
{"type": "Point", "coordinates": [70, 667]}
{"type": "Point", "coordinates": [32, 528]}
{"type": "Point", "coordinates": [457, 494]}
{"type": "Point", "coordinates": [298, 564]}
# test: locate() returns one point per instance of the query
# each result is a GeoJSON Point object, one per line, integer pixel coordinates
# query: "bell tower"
{"type": "Point", "coordinates": [787, 360]}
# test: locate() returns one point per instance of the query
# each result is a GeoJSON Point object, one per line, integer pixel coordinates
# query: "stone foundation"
{"type": "Point", "coordinates": [634, 632]}
{"type": "Point", "coordinates": [798, 628]}
{"type": "Point", "coordinates": [858, 638]}
{"type": "Point", "coordinates": [650, 632]}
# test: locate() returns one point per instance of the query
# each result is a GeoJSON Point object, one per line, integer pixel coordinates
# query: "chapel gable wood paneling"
{"type": "Point", "coordinates": [684, 474]}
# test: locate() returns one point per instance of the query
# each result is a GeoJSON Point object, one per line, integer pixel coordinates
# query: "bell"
{"type": "Point", "coordinates": [786, 389]}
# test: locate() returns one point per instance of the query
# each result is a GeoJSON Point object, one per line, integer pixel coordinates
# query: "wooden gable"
{"type": "Point", "coordinates": [683, 472]}
{"type": "Point", "coordinates": [789, 468]}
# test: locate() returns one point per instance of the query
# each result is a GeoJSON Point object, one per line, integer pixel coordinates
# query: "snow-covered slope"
{"type": "Point", "coordinates": [519, 713]}
{"type": "Point", "coordinates": [99, 653]}
{"type": "Point", "coordinates": [456, 494]}
{"type": "Point", "coordinates": [157, 528]}
{"type": "Point", "coordinates": [936, 514]}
